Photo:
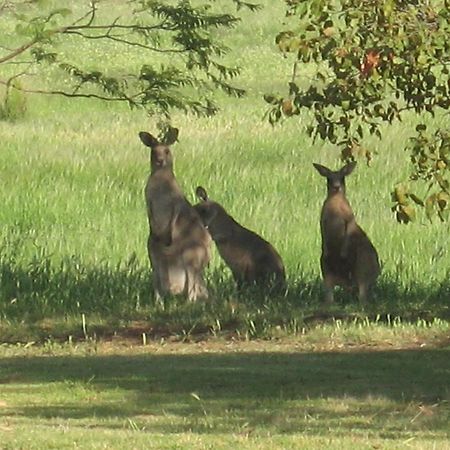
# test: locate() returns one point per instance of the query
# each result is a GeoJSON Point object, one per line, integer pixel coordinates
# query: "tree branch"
{"type": "Point", "coordinates": [17, 75]}
{"type": "Point", "coordinates": [125, 42]}
{"type": "Point", "coordinates": [124, 98]}
{"type": "Point", "coordinates": [159, 26]}
{"type": "Point", "coordinates": [18, 51]}
{"type": "Point", "coordinates": [30, 44]}
{"type": "Point", "coordinates": [92, 13]}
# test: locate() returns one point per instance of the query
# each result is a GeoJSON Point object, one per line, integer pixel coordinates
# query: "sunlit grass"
{"type": "Point", "coordinates": [74, 227]}
{"type": "Point", "coordinates": [223, 394]}
{"type": "Point", "coordinates": [94, 362]}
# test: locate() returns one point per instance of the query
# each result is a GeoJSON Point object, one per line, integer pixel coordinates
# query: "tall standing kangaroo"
{"type": "Point", "coordinates": [348, 257]}
{"type": "Point", "coordinates": [178, 243]}
{"type": "Point", "coordinates": [252, 260]}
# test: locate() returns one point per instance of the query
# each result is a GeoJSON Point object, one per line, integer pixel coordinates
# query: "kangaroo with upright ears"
{"type": "Point", "coordinates": [348, 257]}
{"type": "Point", "coordinates": [252, 260]}
{"type": "Point", "coordinates": [178, 243]}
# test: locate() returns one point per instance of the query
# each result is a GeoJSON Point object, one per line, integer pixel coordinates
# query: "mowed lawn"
{"type": "Point", "coordinates": [75, 283]}
{"type": "Point", "coordinates": [219, 394]}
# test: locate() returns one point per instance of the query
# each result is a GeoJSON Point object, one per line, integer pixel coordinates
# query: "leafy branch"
{"type": "Point", "coordinates": [180, 30]}
{"type": "Point", "coordinates": [373, 62]}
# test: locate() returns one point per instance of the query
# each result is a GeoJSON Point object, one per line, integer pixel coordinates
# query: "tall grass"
{"type": "Point", "coordinates": [74, 228]}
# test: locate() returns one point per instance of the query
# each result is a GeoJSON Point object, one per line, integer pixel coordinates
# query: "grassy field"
{"type": "Point", "coordinates": [74, 227]}
{"type": "Point", "coordinates": [304, 393]}
{"type": "Point", "coordinates": [89, 360]}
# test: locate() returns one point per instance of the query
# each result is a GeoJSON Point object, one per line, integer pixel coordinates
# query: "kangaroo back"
{"type": "Point", "coordinates": [252, 259]}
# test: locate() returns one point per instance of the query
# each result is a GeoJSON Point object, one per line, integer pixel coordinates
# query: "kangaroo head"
{"type": "Point", "coordinates": [335, 178]}
{"type": "Point", "coordinates": [206, 209]}
{"type": "Point", "coordinates": [161, 156]}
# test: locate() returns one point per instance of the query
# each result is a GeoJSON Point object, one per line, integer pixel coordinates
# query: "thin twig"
{"type": "Point", "coordinates": [18, 75]}
{"type": "Point", "coordinates": [74, 94]}
{"type": "Point", "coordinates": [18, 51]}
{"type": "Point", "coordinates": [92, 12]}
{"type": "Point", "coordinates": [159, 26]}
{"type": "Point", "coordinates": [125, 42]}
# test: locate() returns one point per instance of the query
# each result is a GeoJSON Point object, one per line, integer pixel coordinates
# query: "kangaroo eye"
{"type": "Point", "coordinates": [167, 151]}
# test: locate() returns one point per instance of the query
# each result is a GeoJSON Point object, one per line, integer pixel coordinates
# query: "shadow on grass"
{"type": "Point", "coordinates": [43, 288]}
{"type": "Point", "coordinates": [56, 301]}
{"type": "Point", "coordinates": [278, 392]}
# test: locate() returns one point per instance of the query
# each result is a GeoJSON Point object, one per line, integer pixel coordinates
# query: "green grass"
{"type": "Point", "coordinates": [76, 303]}
{"type": "Point", "coordinates": [284, 394]}
{"type": "Point", "coordinates": [74, 227]}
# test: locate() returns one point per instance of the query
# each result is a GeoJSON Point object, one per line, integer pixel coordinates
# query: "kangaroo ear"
{"type": "Point", "coordinates": [200, 192]}
{"type": "Point", "coordinates": [171, 136]}
{"type": "Point", "coordinates": [148, 140]}
{"type": "Point", "coordinates": [324, 171]}
{"type": "Point", "coordinates": [348, 169]}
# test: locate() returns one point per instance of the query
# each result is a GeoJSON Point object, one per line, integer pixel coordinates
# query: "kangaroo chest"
{"type": "Point", "coordinates": [337, 220]}
{"type": "Point", "coordinates": [163, 197]}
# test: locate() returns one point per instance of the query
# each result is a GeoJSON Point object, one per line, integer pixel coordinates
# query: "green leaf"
{"type": "Point", "coordinates": [400, 215]}
{"type": "Point", "coordinates": [416, 199]}
{"type": "Point", "coordinates": [388, 8]}
{"type": "Point", "coordinates": [443, 200]}
{"type": "Point", "coordinates": [409, 211]}
{"type": "Point", "coordinates": [429, 206]}
{"type": "Point", "coordinates": [345, 104]}
{"type": "Point", "coordinates": [293, 89]}
{"type": "Point", "coordinates": [421, 127]}
{"type": "Point", "coordinates": [287, 41]}
{"type": "Point", "coordinates": [271, 99]}
{"type": "Point", "coordinates": [401, 194]}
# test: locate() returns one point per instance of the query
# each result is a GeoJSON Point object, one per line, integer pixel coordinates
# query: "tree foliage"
{"type": "Point", "coordinates": [374, 61]}
{"type": "Point", "coordinates": [176, 34]}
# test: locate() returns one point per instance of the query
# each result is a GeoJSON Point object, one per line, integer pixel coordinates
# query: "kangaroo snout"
{"type": "Point", "coordinates": [159, 162]}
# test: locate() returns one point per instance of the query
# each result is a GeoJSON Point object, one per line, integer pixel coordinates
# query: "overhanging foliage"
{"type": "Point", "coordinates": [373, 62]}
{"type": "Point", "coordinates": [179, 33]}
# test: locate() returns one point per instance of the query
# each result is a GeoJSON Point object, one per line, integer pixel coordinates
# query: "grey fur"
{"type": "Point", "coordinates": [348, 256]}
{"type": "Point", "coordinates": [178, 243]}
{"type": "Point", "coordinates": [252, 260]}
